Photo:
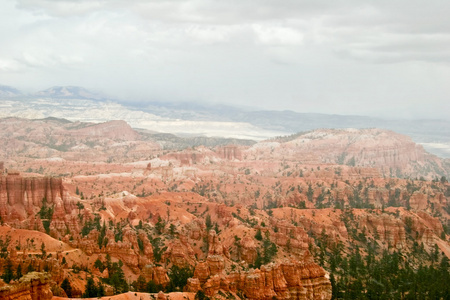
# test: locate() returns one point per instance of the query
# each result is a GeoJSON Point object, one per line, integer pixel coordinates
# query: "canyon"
{"type": "Point", "coordinates": [78, 201]}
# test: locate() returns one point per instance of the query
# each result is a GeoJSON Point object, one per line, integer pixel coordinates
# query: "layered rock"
{"type": "Point", "coordinates": [21, 197]}
{"type": "Point", "coordinates": [387, 228]}
{"type": "Point", "coordinates": [285, 280]}
{"type": "Point", "coordinates": [190, 157]}
{"type": "Point", "coordinates": [32, 286]}
{"type": "Point", "coordinates": [15, 189]}
{"type": "Point", "coordinates": [230, 152]}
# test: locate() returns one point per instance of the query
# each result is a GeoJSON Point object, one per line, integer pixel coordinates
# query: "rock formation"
{"type": "Point", "coordinates": [21, 197]}
{"type": "Point", "coordinates": [32, 286]}
{"type": "Point", "coordinates": [284, 280]}
{"type": "Point", "coordinates": [230, 152]}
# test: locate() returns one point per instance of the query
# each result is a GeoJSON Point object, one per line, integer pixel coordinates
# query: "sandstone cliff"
{"type": "Point", "coordinates": [21, 197]}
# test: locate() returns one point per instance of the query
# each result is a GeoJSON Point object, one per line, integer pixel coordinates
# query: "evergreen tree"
{"type": "Point", "coordinates": [200, 295]}
{"type": "Point", "coordinates": [259, 260]}
{"type": "Point", "coordinates": [117, 278]}
{"type": "Point", "coordinates": [65, 285]}
{"type": "Point", "coordinates": [8, 274]}
{"type": "Point", "coordinates": [159, 226]}
{"type": "Point", "coordinates": [310, 193]}
{"type": "Point", "coordinates": [140, 284]}
{"type": "Point", "coordinates": [19, 271]}
{"type": "Point", "coordinates": [258, 235]}
{"type": "Point", "coordinates": [152, 287]}
{"type": "Point", "coordinates": [80, 206]}
{"type": "Point", "coordinates": [208, 223]}
{"type": "Point", "coordinates": [172, 229]}
{"type": "Point", "coordinates": [43, 251]}
{"type": "Point", "coordinates": [100, 289]}
{"type": "Point", "coordinates": [90, 289]}
{"type": "Point", "coordinates": [30, 268]}
{"type": "Point", "coordinates": [270, 249]}
{"type": "Point", "coordinates": [178, 278]}
{"type": "Point", "coordinates": [99, 265]}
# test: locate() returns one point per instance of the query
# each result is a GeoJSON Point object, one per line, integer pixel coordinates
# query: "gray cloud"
{"type": "Point", "coordinates": [380, 57]}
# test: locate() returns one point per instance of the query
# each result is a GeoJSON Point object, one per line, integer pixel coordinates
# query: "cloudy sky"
{"type": "Point", "coordinates": [379, 58]}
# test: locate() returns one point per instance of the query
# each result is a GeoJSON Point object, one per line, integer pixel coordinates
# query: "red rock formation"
{"type": "Point", "coordinates": [58, 222]}
{"type": "Point", "coordinates": [431, 222]}
{"type": "Point", "coordinates": [230, 152]}
{"type": "Point", "coordinates": [193, 285]}
{"type": "Point", "coordinates": [186, 158]}
{"type": "Point", "coordinates": [216, 264]}
{"type": "Point", "coordinates": [117, 130]}
{"type": "Point", "coordinates": [215, 246]}
{"type": "Point", "coordinates": [224, 214]}
{"type": "Point", "coordinates": [248, 251]}
{"type": "Point", "coordinates": [180, 254]}
{"type": "Point", "coordinates": [418, 201]}
{"type": "Point", "coordinates": [286, 280]}
{"type": "Point", "coordinates": [21, 197]}
{"type": "Point", "coordinates": [194, 229]}
{"type": "Point", "coordinates": [156, 274]}
{"type": "Point", "coordinates": [388, 228]}
{"type": "Point", "coordinates": [32, 286]}
{"type": "Point", "coordinates": [202, 272]}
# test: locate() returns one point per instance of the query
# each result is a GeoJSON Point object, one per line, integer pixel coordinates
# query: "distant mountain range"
{"type": "Point", "coordinates": [8, 91]}
{"type": "Point", "coordinates": [194, 119]}
{"type": "Point", "coordinates": [69, 92]}
{"type": "Point", "coordinates": [57, 92]}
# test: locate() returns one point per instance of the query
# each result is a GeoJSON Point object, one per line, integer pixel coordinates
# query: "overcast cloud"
{"type": "Point", "coordinates": [378, 58]}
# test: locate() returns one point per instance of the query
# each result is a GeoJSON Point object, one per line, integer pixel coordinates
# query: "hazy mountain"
{"type": "Point", "coordinates": [69, 92]}
{"type": "Point", "coordinates": [8, 91]}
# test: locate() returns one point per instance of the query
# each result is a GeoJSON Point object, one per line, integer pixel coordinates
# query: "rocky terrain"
{"type": "Point", "coordinates": [92, 210]}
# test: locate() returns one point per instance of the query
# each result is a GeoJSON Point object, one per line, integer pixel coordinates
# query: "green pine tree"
{"type": "Point", "coordinates": [65, 285]}
{"type": "Point", "coordinates": [8, 274]}
{"type": "Point", "coordinates": [19, 271]}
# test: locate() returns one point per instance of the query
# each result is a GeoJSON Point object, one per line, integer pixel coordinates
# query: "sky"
{"type": "Point", "coordinates": [378, 58]}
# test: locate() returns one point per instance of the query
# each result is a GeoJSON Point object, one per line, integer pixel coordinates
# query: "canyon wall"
{"type": "Point", "coordinates": [21, 197]}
